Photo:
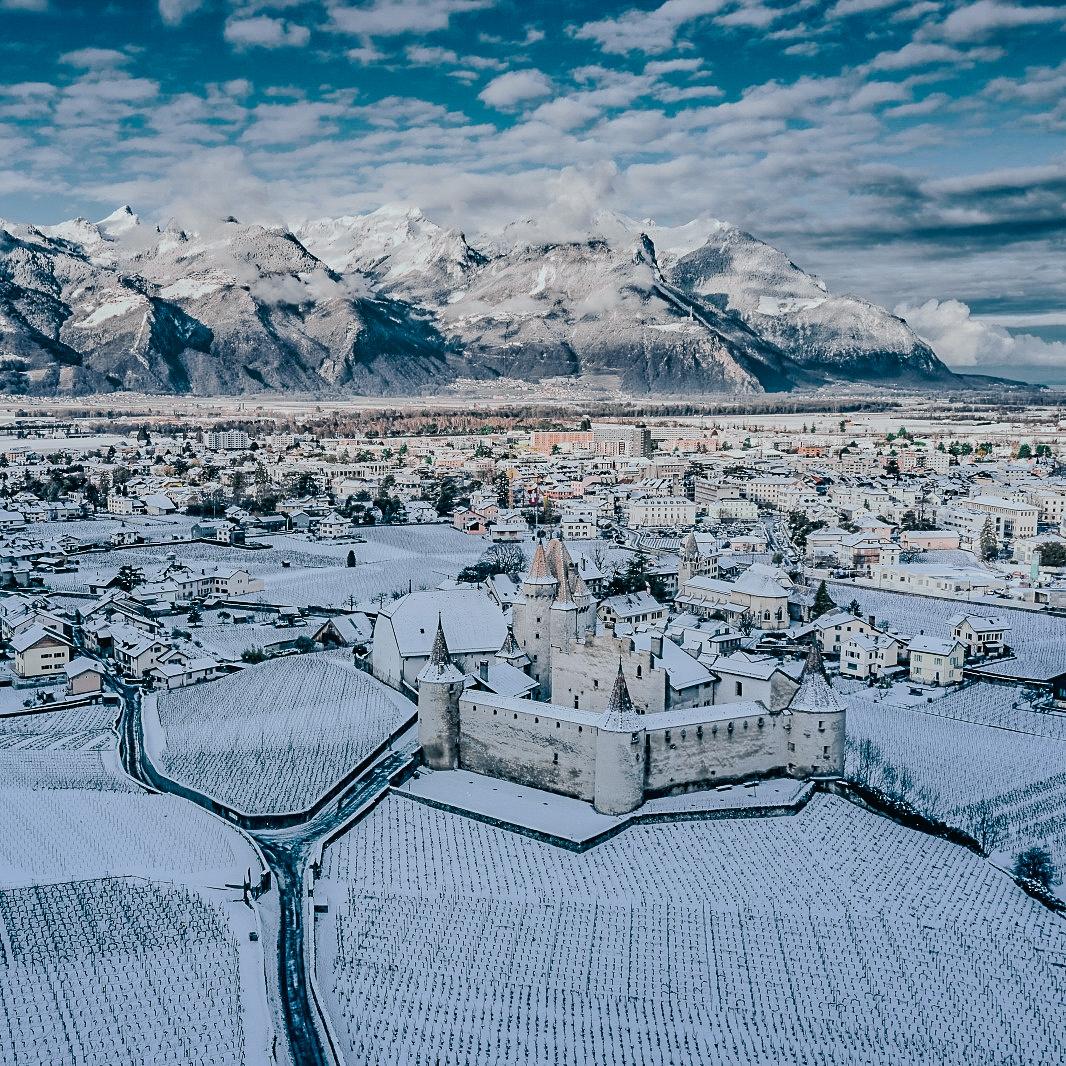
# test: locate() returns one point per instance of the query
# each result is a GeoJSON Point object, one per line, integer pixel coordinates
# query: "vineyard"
{"type": "Point", "coordinates": [276, 736]}
{"type": "Point", "coordinates": [820, 938]}
{"type": "Point", "coordinates": [980, 759]}
{"type": "Point", "coordinates": [67, 811]}
{"type": "Point", "coordinates": [100, 972]}
{"type": "Point", "coordinates": [72, 729]}
{"type": "Point", "coordinates": [97, 964]}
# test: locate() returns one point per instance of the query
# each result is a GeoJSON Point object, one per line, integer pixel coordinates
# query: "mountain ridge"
{"type": "Point", "coordinates": [391, 303]}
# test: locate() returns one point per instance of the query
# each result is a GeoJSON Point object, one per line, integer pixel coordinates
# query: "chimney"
{"type": "Point", "coordinates": [483, 669]}
{"type": "Point", "coordinates": [657, 645]}
{"type": "Point", "coordinates": [873, 621]}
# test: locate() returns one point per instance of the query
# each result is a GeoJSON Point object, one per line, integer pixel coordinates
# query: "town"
{"type": "Point", "coordinates": [371, 661]}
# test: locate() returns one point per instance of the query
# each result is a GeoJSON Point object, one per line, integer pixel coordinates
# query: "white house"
{"type": "Point", "coordinates": [40, 652]}
{"type": "Point", "coordinates": [980, 634]}
{"type": "Point", "coordinates": [935, 661]}
{"type": "Point", "coordinates": [863, 655]}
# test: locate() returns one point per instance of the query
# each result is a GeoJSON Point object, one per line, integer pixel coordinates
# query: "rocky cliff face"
{"type": "Point", "coordinates": [391, 303]}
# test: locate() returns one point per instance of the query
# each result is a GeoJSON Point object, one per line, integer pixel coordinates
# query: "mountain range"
{"type": "Point", "coordinates": [390, 303]}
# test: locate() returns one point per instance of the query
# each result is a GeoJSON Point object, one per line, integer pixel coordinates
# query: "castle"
{"type": "Point", "coordinates": [630, 740]}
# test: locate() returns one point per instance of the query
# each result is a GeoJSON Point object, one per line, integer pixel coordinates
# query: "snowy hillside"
{"type": "Point", "coordinates": [393, 303]}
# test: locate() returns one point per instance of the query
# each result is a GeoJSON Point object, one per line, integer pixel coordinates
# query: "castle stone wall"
{"type": "Point", "coordinates": [705, 754]}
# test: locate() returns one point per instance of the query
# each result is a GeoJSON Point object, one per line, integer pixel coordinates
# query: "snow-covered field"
{"type": "Point", "coordinates": [118, 939]}
{"type": "Point", "coordinates": [122, 970]}
{"type": "Point", "coordinates": [979, 758]}
{"type": "Point", "coordinates": [833, 936]}
{"type": "Point", "coordinates": [274, 737]}
{"type": "Point", "coordinates": [302, 572]}
{"type": "Point", "coordinates": [394, 559]}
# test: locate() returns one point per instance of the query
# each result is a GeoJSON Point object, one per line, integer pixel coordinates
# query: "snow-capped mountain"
{"type": "Point", "coordinates": [392, 303]}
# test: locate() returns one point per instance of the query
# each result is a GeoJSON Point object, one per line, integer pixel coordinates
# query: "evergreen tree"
{"type": "Point", "coordinates": [823, 602]}
{"type": "Point", "coordinates": [350, 561]}
{"type": "Point", "coordinates": [1034, 864]}
{"type": "Point", "coordinates": [989, 544]}
{"type": "Point", "coordinates": [128, 578]}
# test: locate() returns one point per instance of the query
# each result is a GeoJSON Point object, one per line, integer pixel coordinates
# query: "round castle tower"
{"type": "Point", "coordinates": [620, 754]}
{"type": "Point", "coordinates": [440, 684]}
{"type": "Point", "coordinates": [818, 724]}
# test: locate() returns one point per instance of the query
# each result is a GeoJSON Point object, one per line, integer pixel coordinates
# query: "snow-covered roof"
{"type": "Point", "coordinates": [933, 645]}
{"type": "Point", "coordinates": [472, 621]}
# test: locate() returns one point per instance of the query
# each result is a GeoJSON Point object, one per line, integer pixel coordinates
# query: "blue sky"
{"type": "Point", "coordinates": [907, 150]}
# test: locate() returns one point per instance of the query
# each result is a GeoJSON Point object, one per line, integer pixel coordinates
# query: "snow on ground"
{"type": "Point", "coordinates": [394, 559]}
{"type": "Point", "coordinates": [118, 939]}
{"type": "Point", "coordinates": [980, 758]}
{"type": "Point", "coordinates": [229, 640]}
{"type": "Point", "coordinates": [576, 820]}
{"type": "Point", "coordinates": [1037, 639]}
{"type": "Point", "coordinates": [274, 737]}
{"type": "Point", "coordinates": [67, 812]}
{"type": "Point", "coordinates": [302, 572]}
{"type": "Point", "coordinates": [123, 970]}
{"type": "Point", "coordinates": [832, 936]}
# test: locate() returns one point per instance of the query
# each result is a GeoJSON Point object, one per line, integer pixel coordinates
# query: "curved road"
{"type": "Point", "coordinates": [287, 852]}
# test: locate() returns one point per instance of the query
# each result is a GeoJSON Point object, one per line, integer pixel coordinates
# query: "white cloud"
{"type": "Point", "coordinates": [365, 55]}
{"type": "Point", "coordinates": [845, 8]}
{"type": "Point", "coordinates": [262, 31]}
{"type": "Point", "coordinates": [94, 58]}
{"type": "Point", "coordinates": [423, 56]}
{"type": "Point", "coordinates": [566, 112]}
{"type": "Point", "coordinates": [516, 87]}
{"type": "Point", "coordinates": [976, 21]}
{"type": "Point", "coordinates": [964, 341]}
{"type": "Point", "coordinates": [927, 53]}
{"type": "Point", "coordinates": [174, 11]}
{"type": "Point", "coordinates": [647, 31]}
{"type": "Point", "coordinates": [388, 18]}
{"type": "Point", "coordinates": [803, 48]}
{"type": "Point", "coordinates": [23, 5]}
{"type": "Point", "coordinates": [657, 67]}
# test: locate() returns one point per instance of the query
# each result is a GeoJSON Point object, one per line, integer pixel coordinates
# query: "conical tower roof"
{"type": "Point", "coordinates": [511, 650]}
{"type": "Point", "coordinates": [581, 594]}
{"type": "Point", "coordinates": [815, 693]}
{"type": "Point", "coordinates": [557, 557]}
{"type": "Point", "coordinates": [440, 666]}
{"type": "Point", "coordinates": [539, 571]}
{"type": "Point", "coordinates": [620, 712]}
{"type": "Point", "coordinates": [689, 548]}
{"type": "Point", "coordinates": [564, 596]}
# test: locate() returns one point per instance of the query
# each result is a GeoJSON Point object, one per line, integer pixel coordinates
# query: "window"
{"type": "Point", "coordinates": [791, 746]}
{"type": "Point", "coordinates": [638, 671]}
{"type": "Point", "coordinates": [740, 688]}
{"type": "Point", "coordinates": [825, 751]}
